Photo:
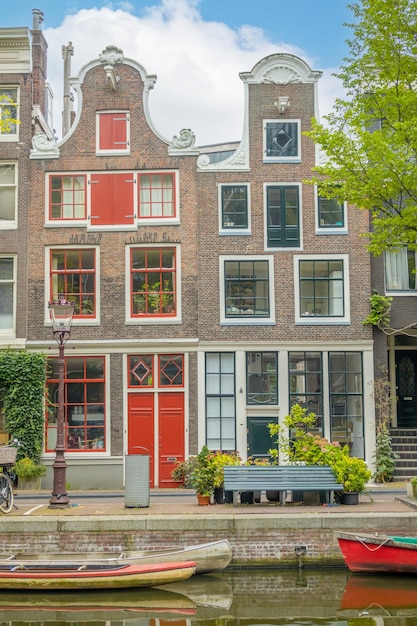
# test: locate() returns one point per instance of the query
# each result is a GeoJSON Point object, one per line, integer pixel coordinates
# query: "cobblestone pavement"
{"type": "Point", "coordinates": [382, 499]}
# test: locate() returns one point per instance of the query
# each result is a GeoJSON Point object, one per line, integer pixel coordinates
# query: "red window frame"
{"type": "Point", "coordinates": [84, 403]}
{"type": "Point", "coordinates": [157, 201]}
{"type": "Point", "coordinates": [153, 282]}
{"type": "Point", "coordinates": [64, 199]}
{"type": "Point", "coordinates": [75, 277]}
{"type": "Point", "coordinates": [113, 131]}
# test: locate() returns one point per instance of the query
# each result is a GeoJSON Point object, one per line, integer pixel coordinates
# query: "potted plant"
{"type": "Point", "coordinates": [29, 473]}
{"type": "Point", "coordinates": [218, 460]}
{"type": "Point", "coordinates": [202, 476]}
{"type": "Point", "coordinates": [354, 474]}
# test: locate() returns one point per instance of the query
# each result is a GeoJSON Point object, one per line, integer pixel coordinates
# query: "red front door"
{"type": "Point", "coordinates": [171, 435]}
{"type": "Point", "coordinates": [141, 431]}
{"type": "Point", "coordinates": [140, 427]}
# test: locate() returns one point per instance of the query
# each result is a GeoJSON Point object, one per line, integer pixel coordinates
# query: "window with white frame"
{"type": "Point", "coordinates": [157, 195]}
{"type": "Point", "coordinates": [220, 401]}
{"type": "Point", "coordinates": [282, 141]}
{"type": "Point", "coordinates": [153, 282]}
{"type": "Point", "coordinates": [67, 197]}
{"type": "Point", "coordinates": [8, 194]}
{"type": "Point", "coordinates": [322, 286]}
{"type": "Point", "coordinates": [400, 271]}
{"type": "Point", "coordinates": [331, 213]}
{"type": "Point", "coordinates": [73, 273]}
{"type": "Point", "coordinates": [9, 113]}
{"type": "Point", "coordinates": [246, 288]}
{"type": "Point", "coordinates": [234, 203]}
{"type": "Point", "coordinates": [7, 295]}
{"type": "Point", "coordinates": [113, 132]}
{"type": "Point", "coordinates": [282, 216]}
{"type": "Point", "coordinates": [306, 384]}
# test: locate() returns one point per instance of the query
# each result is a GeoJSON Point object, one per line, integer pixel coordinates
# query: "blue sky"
{"type": "Point", "coordinates": [196, 47]}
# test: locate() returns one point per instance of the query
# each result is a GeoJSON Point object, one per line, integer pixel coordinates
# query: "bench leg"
{"type": "Point", "coordinates": [235, 498]}
{"type": "Point", "coordinates": [283, 497]}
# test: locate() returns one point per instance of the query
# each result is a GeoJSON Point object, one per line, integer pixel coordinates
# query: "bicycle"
{"type": "Point", "coordinates": [7, 477]}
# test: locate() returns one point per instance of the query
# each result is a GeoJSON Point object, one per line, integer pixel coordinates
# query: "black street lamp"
{"type": "Point", "coordinates": [61, 313]}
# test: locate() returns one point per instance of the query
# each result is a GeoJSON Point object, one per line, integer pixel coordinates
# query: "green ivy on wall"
{"type": "Point", "coordinates": [22, 387]}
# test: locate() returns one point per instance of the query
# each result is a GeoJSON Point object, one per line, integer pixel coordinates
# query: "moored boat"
{"type": "Point", "coordinates": [378, 553]}
{"type": "Point", "coordinates": [209, 557]}
{"type": "Point", "coordinates": [56, 576]}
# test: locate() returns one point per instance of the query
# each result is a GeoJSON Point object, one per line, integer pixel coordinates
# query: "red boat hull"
{"type": "Point", "coordinates": [369, 557]}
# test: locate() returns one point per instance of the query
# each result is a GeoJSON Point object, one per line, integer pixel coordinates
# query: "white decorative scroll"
{"type": "Point", "coordinates": [111, 55]}
{"type": "Point", "coordinates": [44, 147]}
{"type": "Point", "coordinates": [185, 140]}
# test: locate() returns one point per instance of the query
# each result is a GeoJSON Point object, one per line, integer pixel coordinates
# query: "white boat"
{"type": "Point", "coordinates": [209, 557]}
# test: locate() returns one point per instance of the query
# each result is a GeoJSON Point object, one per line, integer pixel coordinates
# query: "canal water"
{"type": "Point", "coordinates": [267, 597]}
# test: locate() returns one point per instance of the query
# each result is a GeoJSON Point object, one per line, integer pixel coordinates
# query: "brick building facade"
{"type": "Point", "coordinates": [212, 290]}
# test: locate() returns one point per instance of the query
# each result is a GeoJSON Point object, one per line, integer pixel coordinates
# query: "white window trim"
{"type": "Point", "coordinates": [300, 214]}
{"type": "Point", "coordinates": [155, 221]}
{"type": "Point", "coordinates": [75, 322]}
{"type": "Point", "coordinates": [243, 321]}
{"type": "Point", "coordinates": [274, 159]}
{"type": "Point", "coordinates": [87, 222]}
{"type": "Point", "coordinates": [115, 151]}
{"type": "Point", "coordinates": [12, 224]}
{"type": "Point", "coordinates": [396, 292]}
{"type": "Point", "coordinates": [317, 320]}
{"type": "Point", "coordinates": [233, 231]}
{"type": "Point", "coordinates": [11, 332]}
{"type": "Point", "coordinates": [329, 230]}
{"type": "Point", "coordinates": [153, 320]}
{"type": "Point", "coordinates": [14, 136]}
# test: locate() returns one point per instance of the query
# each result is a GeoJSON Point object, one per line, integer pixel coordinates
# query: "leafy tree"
{"type": "Point", "coordinates": [370, 138]}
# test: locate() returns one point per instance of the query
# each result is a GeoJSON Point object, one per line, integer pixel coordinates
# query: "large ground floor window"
{"type": "Point", "coordinates": [84, 404]}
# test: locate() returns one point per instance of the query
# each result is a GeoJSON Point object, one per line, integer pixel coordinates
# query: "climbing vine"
{"type": "Point", "coordinates": [380, 310]}
{"type": "Point", "coordinates": [22, 388]}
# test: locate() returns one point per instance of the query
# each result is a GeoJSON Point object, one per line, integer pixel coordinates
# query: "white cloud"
{"type": "Point", "coordinates": [197, 63]}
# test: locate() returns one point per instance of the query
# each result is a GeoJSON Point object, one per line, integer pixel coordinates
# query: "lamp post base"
{"type": "Point", "coordinates": [59, 498]}
{"type": "Point", "coordinates": [59, 501]}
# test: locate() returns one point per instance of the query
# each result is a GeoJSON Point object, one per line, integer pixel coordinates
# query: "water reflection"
{"type": "Point", "coordinates": [234, 598]}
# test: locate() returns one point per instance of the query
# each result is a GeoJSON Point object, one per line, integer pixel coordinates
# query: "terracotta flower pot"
{"type": "Point", "coordinates": [203, 500]}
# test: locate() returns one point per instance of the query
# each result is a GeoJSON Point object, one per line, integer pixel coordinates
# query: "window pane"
{"type": "Point", "coordinates": [247, 289]}
{"type": "Point", "coordinates": [281, 139]}
{"type": "Point", "coordinates": [234, 206]}
{"type": "Point", "coordinates": [331, 212]}
{"type": "Point", "coordinates": [321, 288]}
{"type": "Point", "coordinates": [262, 377]}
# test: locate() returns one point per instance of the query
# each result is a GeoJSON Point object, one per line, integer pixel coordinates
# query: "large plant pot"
{"type": "Point", "coordinates": [219, 495]}
{"type": "Point", "coordinates": [203, 500]}
{"type": "Point", "coordinates": [29, 484]}
{"type": "Point", "coordinates": [350, 497]}
{"type": "Point", "coordinates": [411, 490]}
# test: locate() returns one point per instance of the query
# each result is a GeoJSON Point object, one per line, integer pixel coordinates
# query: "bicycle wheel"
{"type": "Point", "coordinates": [6, 494]}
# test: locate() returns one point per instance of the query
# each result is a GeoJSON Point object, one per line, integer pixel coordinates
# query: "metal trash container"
{"type": "Point", "coordinates": [137, 479]}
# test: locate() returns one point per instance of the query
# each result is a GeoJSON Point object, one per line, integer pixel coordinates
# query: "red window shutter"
{"type": "Point", "coordinates": [112, 199]}
{"type": "Point", "coordinates": [113, 131]}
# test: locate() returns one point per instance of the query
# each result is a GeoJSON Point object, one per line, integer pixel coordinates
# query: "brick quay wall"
{"type": "Point", "coordinates": [257, 540]}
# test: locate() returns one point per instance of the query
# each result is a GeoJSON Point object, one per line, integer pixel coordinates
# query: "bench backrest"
{"type": "Point", "coordinates": [279, 476]}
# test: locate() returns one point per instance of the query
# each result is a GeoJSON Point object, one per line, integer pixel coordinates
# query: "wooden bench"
{"type": "Point", "coordinates": [282, 478]}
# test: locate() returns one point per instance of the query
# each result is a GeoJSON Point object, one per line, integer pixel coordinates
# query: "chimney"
{"type": "Point", "coordinates": [39, 62]}
{"type": "Point", "coordinates": [67, 52]}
